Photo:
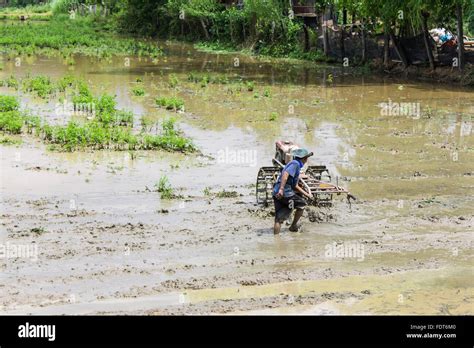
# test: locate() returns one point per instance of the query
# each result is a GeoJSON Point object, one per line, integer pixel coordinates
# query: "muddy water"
{"type": "Point", "coordinates": [108, 238]}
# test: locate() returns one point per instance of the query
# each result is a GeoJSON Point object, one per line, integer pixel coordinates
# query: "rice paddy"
{"type": "Point", "coordinates": [109, 128]}
{"type": "Point", "coordinates": [65, 37]}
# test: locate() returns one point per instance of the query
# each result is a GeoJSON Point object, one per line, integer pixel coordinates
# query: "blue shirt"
{"type": "Point", "coordinates": [293, 169]}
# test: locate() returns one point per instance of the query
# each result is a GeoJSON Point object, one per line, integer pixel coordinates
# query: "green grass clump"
{"type": "Point", "coordinates": [273, 116]}
{"type": "Point", "coordinates": [124, 118]}
{"type": "Point", "coordinates": [42, 85]}
{"type": "Point", "coordinates": [11, 82]}
{"type": "Point", "coordinates": [170, 103]}
{"type": "Point", "coordinates": [11, 122]}
{"type": "Point", "coordinates": [65, 82]}
{"type": "Point", "coordinates": [227, 194]}
{"type": "Point", "coordinates": [111, 129]}
{"type": "Point", "coordinates": [138, 91]}
{"type": "Point", "coordinates": [250, 86]}
{"type": "Point", "coordinates": [9, 141]}
{"type": "Point", "coordinates": [163, 186]}
{"type": "Point", "coordinates": [92, 135]}
{"type": "Point", "coordinates": [64, 36]}
{"type": "Point", "coordinates": [38, 230]}
{"type": "Point", "coordinates": [83, 94]}
{"type": "Point", "coordinates": [206, 79]}
{"type": "Point", "coordinates": [173, 81]}
{"type": "Point", "coordinates": [8, 103]}
{"type": "Point", "coordinates": [32, 11]}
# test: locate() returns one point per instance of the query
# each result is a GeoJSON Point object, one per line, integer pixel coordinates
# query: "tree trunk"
{"type": "Point", "coordinates": [429, 52]}
{"type": "Point", "coordinates": [324, 30]}
{"type": "Point", "coordinates": [231, 30]}
{"type": "Point", "coordinates": [343, 48]}
{"type": "Point", "coordinates": [386, 47]}
{"type": "Point", "coordinates": [306, 38]}
{"type": "Point", "coordinates": [364, 43]}
{"type": "Point", "coordinates": [325, 35]}
{"type": "Point", "coordinates": [343, 32]}
{"type": "Point", "coordinates": [206, 33]}
{"type": "Point", "coordinates": [398, 49]}
{"type": "Point", "coordinates": [460, 37]}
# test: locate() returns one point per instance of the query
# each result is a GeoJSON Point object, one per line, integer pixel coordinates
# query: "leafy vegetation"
{"type": "Point", "coordinates": [170, 103]}
{"type": "Point", "coordinates": [138, 91]}
{"type": "Point", "coordinates": [227, 194]}
{"type": "Point", "coordinates": [268, 27]}
{"type": "Point", "coordinates": [8, 103]}
{"type": "Point", "coordinates": [31, 11]}
{"type": "Point", "coordinates": [11, 122]}
{"type": "Point", "coordinates": [5, 140]}
{"type": "Point", "coordinates": [41, 85]}
{"type": "Point", "coordinates": [65, 36]}
{"type": "Point", "coordinates": [163, 186]}
{"type": "Point", "coordinates": [110, 129]}
{"type": "Point", "coordinates": [272, 28]}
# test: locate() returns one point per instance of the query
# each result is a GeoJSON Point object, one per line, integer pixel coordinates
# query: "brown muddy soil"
{"type": "Point", "coordinates": [106, 242]}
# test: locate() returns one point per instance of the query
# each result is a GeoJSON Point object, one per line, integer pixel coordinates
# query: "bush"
{"type": "Point", "coordinates": [63, 6]}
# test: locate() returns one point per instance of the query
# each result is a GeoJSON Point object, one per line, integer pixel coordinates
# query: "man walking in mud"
{"type": "Point", "coordinates": [287, 194]}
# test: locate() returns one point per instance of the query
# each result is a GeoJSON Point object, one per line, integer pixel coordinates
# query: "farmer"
{"type": "Point", "coordinates": [287, 194]}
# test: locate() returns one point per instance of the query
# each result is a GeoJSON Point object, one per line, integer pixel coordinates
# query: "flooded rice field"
{"type": "Point", "coordinates": [104, 241]}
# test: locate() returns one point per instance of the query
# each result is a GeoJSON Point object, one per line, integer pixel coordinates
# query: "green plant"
{"type": "Point", "coordinates": [163, 186]}
{"type": "Point", "coordinates": [170, 103]}
{"type": "Point", "coordinates": [123, 118]}
{"type": "Point", "coordinates": [250, 85]}
{"type": "Point", "coordinates": [38, 230]}
{"type": "Point", "coordinates": [173, 81]}
{"type": "Point", "coordinates": [205, 81]}
{"type": "Point", "coordinates": [66, 82]}
{"type": "Point", "coordinates": [273, 116]}
{"type": "Point", "coordinates": [65, 37]}
{"type": "Point", "coordinates": [11, 122]}
{"type": "Point", "coordinates": [11, 82]}
{"type": "Point", "coordinates": [138, 91]}
{"type": "Point", "coordinates": [111, 129]}
{"type": "Point", "coordinates": [8, 103]}
{"type": "Point", "coordinates": [227, 194]}
{"type": "Point", "coordinates": [9, 141]}
{"type": "Point", "coordinates": [40, 84]}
